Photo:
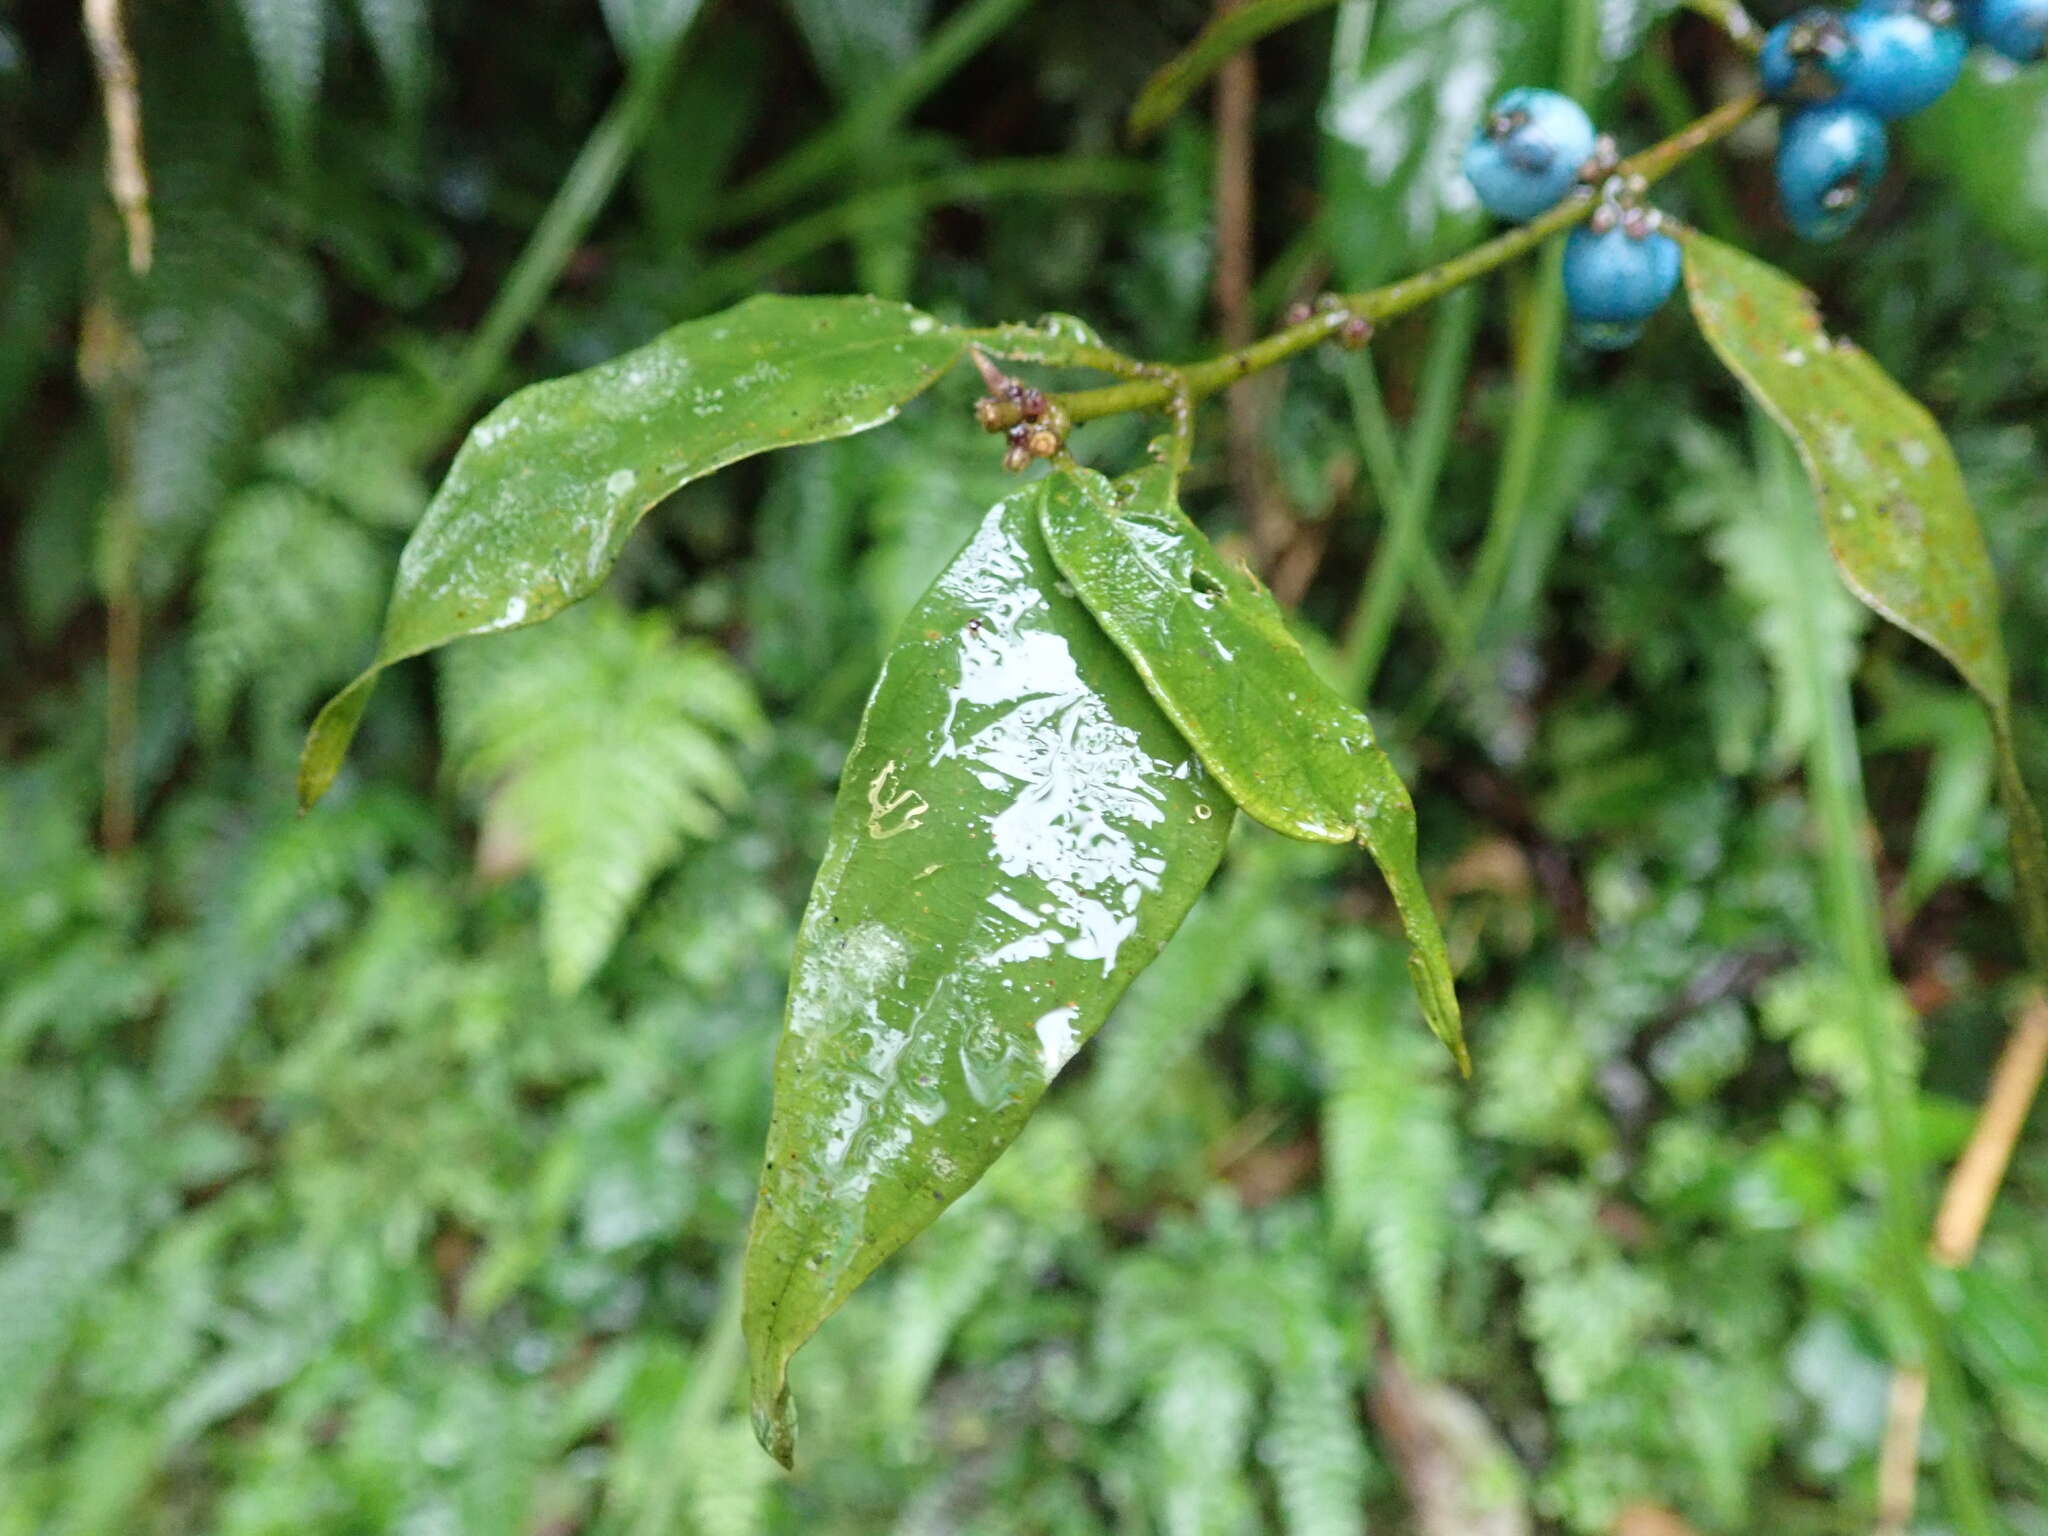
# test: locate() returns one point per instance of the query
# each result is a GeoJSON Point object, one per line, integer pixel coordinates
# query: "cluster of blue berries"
{"type": "Point", "coordinates": [1846, 74]}
{"type": "Point", "coordinates": [1842, 76]}
{"type": "Point", "coordinates": [1536, 148]}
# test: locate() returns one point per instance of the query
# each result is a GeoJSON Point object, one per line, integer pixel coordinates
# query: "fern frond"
{"type": "Point", "coordinates": [68, 1239]}
{"type": "Point", "coordinates": [1760, 529]}
{"type": "Point", "coordinates": [730, 1476]}
{"type": "Point", "coordinates": [363, 455]}
{"type": "Point", "coordinates": [277, 892]}
{"type": "Point", "coordinates": [228, 312]}
{"type": "Point", "coordinates": [1585, 1307]}
{"type": "Point", "coordinates": [289, 597]}
{"type": "Point", "coordinates": [957, 1265]}
{"type": "Point", "coordinates": [53, 558]}
{"type": "Point", "coordinates": [1199, 1419]}
{"type": "Point", "coordinates": [1312, 1440]}
{"type": "Point", "coordinates": [604, 746]}
{"type": "Point", "coordinates": [1390, 1146]}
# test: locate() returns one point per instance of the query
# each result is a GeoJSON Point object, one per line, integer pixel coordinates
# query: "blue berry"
{"type": "Point", "coordinates": [1526, 155]}
{"type": "Point", "coordinates": [1829, 161]}
{"type": "Point", "coordinates": [2016, 28]}
{"type": "Point", "coordinates": [1805, 58]}
{"type": "Point", "coordinates": [1616, 276]}
{"type": "Point", "coordinates": [1906, 56]}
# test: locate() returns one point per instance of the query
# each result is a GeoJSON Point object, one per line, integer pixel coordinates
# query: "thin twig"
{"type": "Point", "coordinates": [1966, 1203]}
{"type": "Point", "coordinates": [121, 100]}
{"type": "Point", "coordinates": [1381, 304]}
{"type": "Point", "coordinates": [1973, 1186]}
{"type": "Point", "coordinates": [578, 200]}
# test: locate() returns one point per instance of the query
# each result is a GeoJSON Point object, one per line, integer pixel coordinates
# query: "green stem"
{"type": "Point", "coordinates": [1542, 339]}
{"type": "Point", "coordinates": [1667, 95]}
{"type": "Point", "coordinates": [1404, 554]}
{"type": "Point", "coordinates": [1528, 426]}
{"type": "Point", "coordinates": [714, 1374]}
{"type": "Point", "coordinates": [577, 202]}
{"type": "Point", "coordinates": [965, 33]}
{"type": "Point", "coordinates": [1835, 783]}
{"type": "Point", "coordinates": [1381, 304]}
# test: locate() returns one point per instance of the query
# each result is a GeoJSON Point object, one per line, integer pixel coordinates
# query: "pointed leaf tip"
{"type": "Point", "coordinates": [327, 742]}
{"type": "Point", "coordinates": [1018, 832]}
{"type": "Point", "coordinates": [774, 1416]}
{"type": "Point", "coordinates": [547, 488]}
{"type": "Point", "coordinates": [1891, 497]}
{"type": "Point", "coordinates": [1215, 652]}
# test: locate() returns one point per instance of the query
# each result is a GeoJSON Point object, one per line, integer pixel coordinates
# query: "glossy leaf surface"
{"type": "Point", "coordinates": [1215, 652]}
{"type": "Point", "coordinates": [1018, 832]}
{"type": "Point", "coordinates": [1892, 500]}
{"type": "Point", "coordinates": [545, 492]}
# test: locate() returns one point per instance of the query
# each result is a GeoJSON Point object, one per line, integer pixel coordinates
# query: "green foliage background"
{"type": "Point", "coordinates": [384, 1169]}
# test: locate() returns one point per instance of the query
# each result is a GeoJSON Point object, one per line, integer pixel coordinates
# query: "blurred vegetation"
{"type": "Point", "coordinates": [384, 1169]}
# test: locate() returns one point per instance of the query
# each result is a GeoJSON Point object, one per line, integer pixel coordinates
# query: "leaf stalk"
{"type": "Point", "coordinates": [1208, 377]}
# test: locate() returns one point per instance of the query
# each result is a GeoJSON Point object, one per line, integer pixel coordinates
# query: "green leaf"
{"type": "Point", "coordinates": [1892, 500]}
{"type": "Point", "coordinates": [1018, 832]}
{"type": "Point", "coordinates": [288, 38]}
{"type": "Point", "coordinates": [644, 30]}
{"type": "Point", "coordinates": [1231, 32]}
{"type": "Point", "coordinates": [229, 314]}
{"type": "Point", "coordinates": [400, 36]}
{"type": "Point", "coordinates": [286, 631]}
{"type": "Point", "coordinates": [1215, 652]}
{"type": "Point", "coordinates": [545, 492]}
{"type": "Point", "coordinates": [859, 42]}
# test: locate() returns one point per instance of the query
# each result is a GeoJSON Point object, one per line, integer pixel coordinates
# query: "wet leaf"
{"type": "Point", "coordinates": [545, 492]}
{"type": "Point", "coordinates": [1892, 500]}
{"type": "Point", "coordinates": [1018, 832]}
{"type": "Point", "coordinates": [1228, 34]}
{"type": "Point", "coordinates": [1215, 652]}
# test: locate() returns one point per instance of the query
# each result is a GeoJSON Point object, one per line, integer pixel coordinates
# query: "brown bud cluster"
{"type": "Point", "coordinates": [1036, 425]}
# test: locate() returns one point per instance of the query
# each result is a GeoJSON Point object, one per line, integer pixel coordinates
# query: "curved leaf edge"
{"type": "Point", "coordinates": [334, 727]}
{"type": "Point", "coordinates": [2027, 839]}
{"type": "Point", "coordinates": [1384, 824]}
{"type": "Point", "coordinates": [771, 1343]}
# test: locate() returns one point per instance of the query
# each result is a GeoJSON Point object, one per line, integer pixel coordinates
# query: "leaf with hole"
{"type": "Point", "coordinates": [1018, 832]}
{"type": "Point", "coordinates": [1215, 652]}
{"type": "Point", "coordinates": [1892, 500]}
{"type": "Point", "coordinates": [543, 495]}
